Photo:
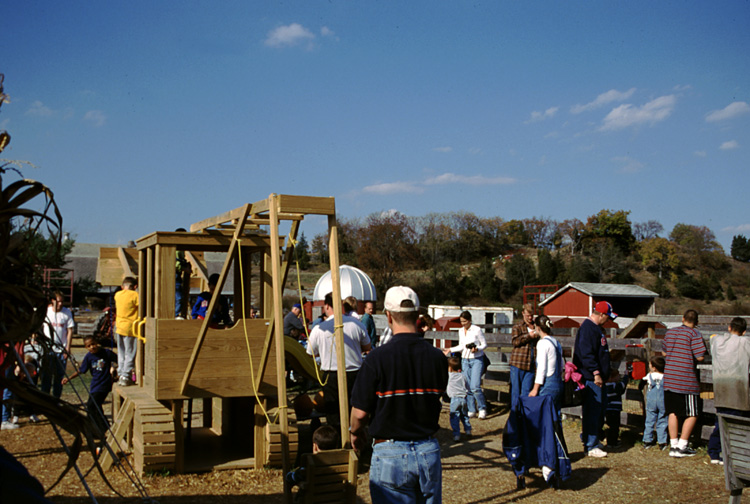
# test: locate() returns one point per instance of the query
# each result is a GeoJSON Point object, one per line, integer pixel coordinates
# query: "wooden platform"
{"type": "Point", "coordinates": [146, 426]}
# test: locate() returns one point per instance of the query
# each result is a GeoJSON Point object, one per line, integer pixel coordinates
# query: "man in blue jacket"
{"type": "Point", "coordinates": [591, 357]}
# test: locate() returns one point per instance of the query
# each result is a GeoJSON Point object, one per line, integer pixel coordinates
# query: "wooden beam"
{"type": "Point", "coordinates": [278, 317]}
{"type": "Point", "coordinates": [197, 266]}
{"type": "Point", "coordinates": [214, 300]}
{"type": "Point", "coordinates": [338, 324]}
{"type": "Point", "coordinates": [126, 271]}
{"type": "Point", "coordinates": [237, 215]}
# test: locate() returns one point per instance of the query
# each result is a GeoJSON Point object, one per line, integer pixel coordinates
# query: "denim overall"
{"type": "Point", "coordinates": [553, 385]}
{"type": "Point", "coordinates": [656, 415]}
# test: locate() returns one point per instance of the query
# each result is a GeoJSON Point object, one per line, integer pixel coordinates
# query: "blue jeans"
{"type": "Point", "coordinates": [472, 369]}
{"type": "Point", "coordinates": [594, 405]}
{"type": "Point", "coordinates": [404, 472]}
{"type": "Point", "coordinates": [53, 371]}
{"type": "Point", "coordinates": [8, 396]}
{"type": "Point", "coordinates": [656, 416]}
{"type": "Point", "coordinates": [521, 383]}
{"type": "Point", "coordinates": [178, 295]}
{"type": "Point", "coordinates": [459, 410]}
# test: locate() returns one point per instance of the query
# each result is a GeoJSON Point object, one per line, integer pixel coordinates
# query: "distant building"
{"type": "Point", "coordinates": [571, 304]}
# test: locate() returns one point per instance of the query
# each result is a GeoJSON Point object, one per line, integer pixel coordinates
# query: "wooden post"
{"type": "Point", "coordinates": [179, 437]}
{"type": "Point", "coordinates": [338, 322]}
{"type": "Point", "coordinates": [278, 320]}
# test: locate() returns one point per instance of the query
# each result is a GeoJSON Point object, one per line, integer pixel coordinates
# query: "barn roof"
{"type": "Point", "coordinates": [605, 290]}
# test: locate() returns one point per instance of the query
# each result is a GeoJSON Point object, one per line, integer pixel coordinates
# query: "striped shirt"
{"type": "Point", "coordinates": [683, 345]}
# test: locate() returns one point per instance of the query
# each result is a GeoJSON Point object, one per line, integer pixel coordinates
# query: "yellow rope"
{"type": "Point", "coordinates": [304, 320]}
{"type": "Point", "coordinates": [247, 337]}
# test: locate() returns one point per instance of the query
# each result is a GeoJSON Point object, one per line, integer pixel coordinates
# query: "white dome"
{"type": "Point", "coordinates": [354, 282]}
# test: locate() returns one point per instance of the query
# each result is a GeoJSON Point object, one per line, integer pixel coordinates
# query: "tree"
{"type": "Point", "coordinates": [740, 248]}
{"type": "Point", "coordinates": [613, 226]}
{"type": "Point", "coordinates": [647, 230]}
{"type": "Point", "coordinates": [301, 252]}
{"type": "Point", "coordinates": [698, 247]}
{"type": "Point", "coordinates": [319, 248]}
{"type": "Point", "coordinates": [547, 267]}
{"type": "Point", "coordinates": [387, 247]}
{"type": "Point", "coordinates": [485, 282]}
{"type": "Point", "coordinates": [659, 255]}
{"type": "Point", "coordinates": [516, 233]}
{"type": "Point", "coordinates": [572, 231]}
{"type": "Point", "coordinates": [519, 271]}
{"type": "Point", "coordinates": [608, 262]}
{"type": "Point", "coordinates": [541, 231]}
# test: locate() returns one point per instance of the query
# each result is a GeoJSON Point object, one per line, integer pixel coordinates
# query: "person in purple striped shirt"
{"type": "Point", "coordinates": [683, 348]}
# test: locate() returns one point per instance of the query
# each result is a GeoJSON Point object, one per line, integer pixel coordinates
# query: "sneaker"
{"type": "Point", "coordinates": [472, 414]}
{"type": "Point", "coordinates": [717, 461]}
{"type": "Point", "coordinates": [651, 444]}
{"type": "Point", "coordinates": [457, 437]}
{"type": "Point", "coordinates": [468, 433]}
{"type": "Point", "coordinates": [15, 420]}
{"type": "Point", "coordinates": [123, 381]}
{"type": "Point", "coordinates": [482, 414]}
{"type": "Point", "coordinates": [597, 452]}
{"type": "Point", "coordinates": [8, 426]}
{"type": "Point", "coordinates": [682, 452]}
{"type": "Point", "coordinates": [34, 419]}
{"type": "Point", "coordinates": [663, 446]}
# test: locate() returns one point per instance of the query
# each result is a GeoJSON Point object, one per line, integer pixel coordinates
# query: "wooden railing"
{"type": "Point", "coordinates": [623, 350]}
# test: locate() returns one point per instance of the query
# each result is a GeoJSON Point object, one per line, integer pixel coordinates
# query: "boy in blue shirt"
{"type": "Point", "coordinates": [102, 362]}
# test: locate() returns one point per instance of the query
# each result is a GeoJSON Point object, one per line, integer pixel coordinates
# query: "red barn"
{"type": "Point", "coordinates": [576, 301]}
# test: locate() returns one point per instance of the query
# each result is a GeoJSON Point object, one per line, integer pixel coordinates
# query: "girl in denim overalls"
{"type": "Point", "coordinates": [656, 415]}
{"type": "Point", "coordinates": [549, 364]}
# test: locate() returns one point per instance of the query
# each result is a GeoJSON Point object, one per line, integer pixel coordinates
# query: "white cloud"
{"type": "Point", "coordinates": [610, 96]}
{"type": "Point", "coordinates": [742, 228]}
{"type": "Point", "coordinates": [452, 178]}
{"type": "Point", "coordinates": [290, 35]}
{"type": "Point", "coordinates": [475, 150]}
{"type": "Point", "coordinates": [96, 117]}
{"type": "Point", "coordinates": [628, 115]}
{"type": "Point", "coordinates": [732, 144]}
{"type": "Point", "coordinates": [730, 111]}
{"type": "Point", "coordinates": [327, 32]}
{"type": "Point", "coordinates": [700, 153]}
{"type": "Point", "coordinates": [443, 149]}
{"type": "Point", "coordinates": [541, 116]}
{"type": "Point", "coordinates": [628, 164]}
{"type": "Point", "coordinates": [393, 188]}
{"type": "Point", "coordinates": [39, 109]}
{"type": "Point", "coordinates": [682, 87]}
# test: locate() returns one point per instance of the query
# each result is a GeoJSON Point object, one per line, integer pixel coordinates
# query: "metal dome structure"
{"type": "Point", "coordinates": [354, 282]}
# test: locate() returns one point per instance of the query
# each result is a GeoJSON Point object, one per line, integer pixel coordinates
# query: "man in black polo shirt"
{"type": "Point", "coordinates": [398, 393]}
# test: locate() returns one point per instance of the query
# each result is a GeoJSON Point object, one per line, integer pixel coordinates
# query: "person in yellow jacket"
{"type": "Point", "coordinates": [126, 303]}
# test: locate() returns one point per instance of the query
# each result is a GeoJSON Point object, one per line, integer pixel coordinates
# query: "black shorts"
{"type": "Point", "coordinates": [682, 405]}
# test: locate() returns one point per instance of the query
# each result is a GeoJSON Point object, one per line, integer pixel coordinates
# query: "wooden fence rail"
{"type": "Point", "coordinates": [623, 350]}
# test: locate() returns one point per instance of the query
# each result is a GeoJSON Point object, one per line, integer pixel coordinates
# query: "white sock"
{"type": "Point", "coordinates": [673, 443]}
{"type": "Point", "coordinates": [546, 472]}
{"type": "Point", "coordinates": [682, 444]}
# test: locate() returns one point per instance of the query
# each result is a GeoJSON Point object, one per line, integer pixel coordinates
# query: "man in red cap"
{"type": "Point", "coordinates": [591, 357]}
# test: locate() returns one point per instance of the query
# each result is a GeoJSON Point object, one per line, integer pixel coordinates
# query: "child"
{"type": "Point", "coordinates": [656, 415]}
{"type": "Point", "coordinates": [457, 390]}
{"type": "Point", "coordinates": [221, 312]}
{"type": "Point", "coordinates": [615, 388]}
{"type": "Point", "coordinates": [102, 363]}
{"type": "Point", "coordinates": [325, 438]}
{"type": "Point", "coordinates": [126, 303]}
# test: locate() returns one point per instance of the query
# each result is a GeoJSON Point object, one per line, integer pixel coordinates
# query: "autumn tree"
{"type": "Point", "coordinates": [572, 231]}
{"type": "Point", "coordinates": [612, 226]}
{"type": "Point", "coordinates": [698, 247]}
{"type": "Point", "coordinates": [659, 255]}
{"type": "Point", "coordinates": [541, 231]}
{"type": "Point", "coordinates": [647, 230]}
{"type": "Point", "coordinates": [387, 246]}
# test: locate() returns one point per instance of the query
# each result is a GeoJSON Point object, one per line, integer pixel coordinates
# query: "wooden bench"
{"type": "Point", "coordinates": [331, 477]}
{"type": "Point", "coordinates": [735, 446]}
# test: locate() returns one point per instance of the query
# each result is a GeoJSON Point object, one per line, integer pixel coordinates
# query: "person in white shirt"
{"type": "Point", "coordinates": [58, 328]}
{"type": "Point", "coordinates": [471, 344]}
{"type": "Point", "coordinates": [549, 364]}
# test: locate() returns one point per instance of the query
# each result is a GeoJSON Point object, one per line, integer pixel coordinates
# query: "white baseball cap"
{"type": "Point", "coordinates": [396, 295]}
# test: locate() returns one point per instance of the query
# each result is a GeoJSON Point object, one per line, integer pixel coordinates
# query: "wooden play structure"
{"type": "Point", "coordinates": [237, 372]}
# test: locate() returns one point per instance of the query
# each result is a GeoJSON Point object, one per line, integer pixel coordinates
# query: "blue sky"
{"type": "Point", "coordinates": [150, 115]}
